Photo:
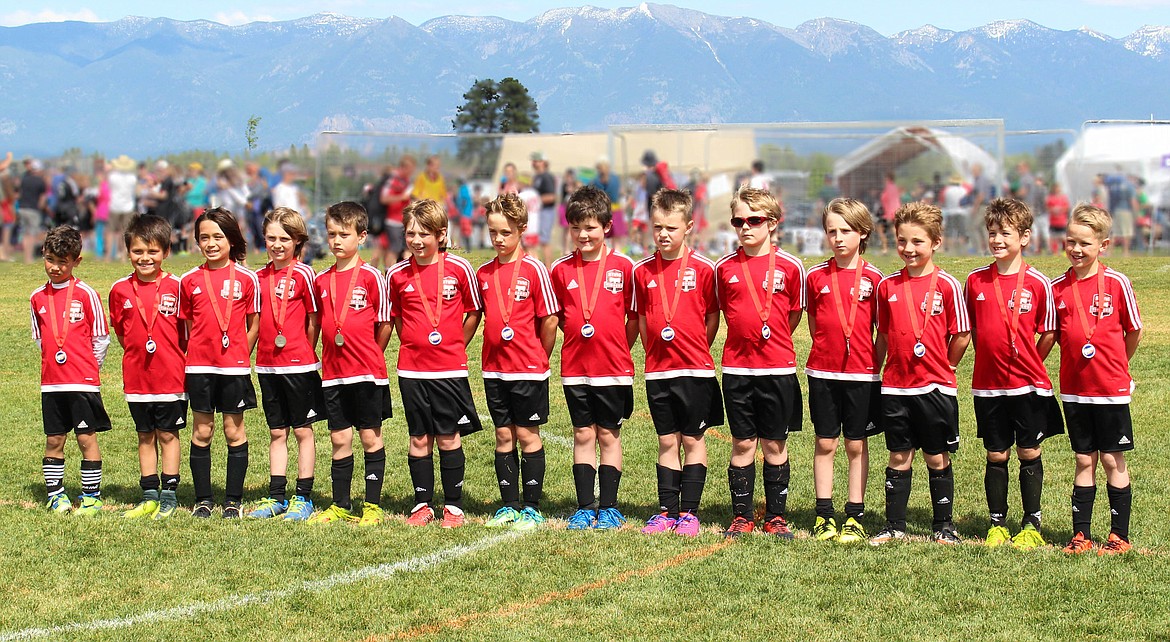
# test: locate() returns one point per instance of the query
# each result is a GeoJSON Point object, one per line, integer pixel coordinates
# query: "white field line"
{"type": "Point", "coordinates": [374, 572]}
{"type": "Point", "coordinates": [545, 435]}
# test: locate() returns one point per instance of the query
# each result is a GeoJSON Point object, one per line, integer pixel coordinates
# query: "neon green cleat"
{"type": "Point", "coordinates": [825, 529]}
{"type": "Point", "coordinates": [60, 504]}
{"type": "Point", "coordinates": [90, 505]}
{"type": "Point", "coordinates": [997, 536]}
{"type": "Point", "coordinates": [372, 515]}
{"type": "Point", "coordinates": [1028, 538]}
{"type": "Point", "coordinates": [145, 508]}
{"type": "Point", "coordinates": [530, 518]}
{"type": "Point", "coordinates": [506, 516]}
{"type": "Point", "coordinates": [167, 505]}
{"type": "Point", "coordinates": [333, 514]}
{"type": "Point", "coordinates": [852, 532]}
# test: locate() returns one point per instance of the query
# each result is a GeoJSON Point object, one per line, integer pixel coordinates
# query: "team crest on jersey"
{"type": "Point", "coordinates": [237, 292]}
{"type": "Point", "coordinates": [777, 282]}
{"type": "Point", "coordinates": [451, 288]}
{"type": "Point", "coordinates": [288, 284]}
{"type": "Point", "coordinates": [360, 299]}
{"type": "Point", "coordinates": [614, 281]}
{"type": "Point", "coordinates": [1106, 311]}
{"type": "Point", "coordinates": [866, 288]}
{"type": "Point", "coordinates": [76, 312]}
{"type": "Point", "coordinates": [937, 309]}
{"type": "Point", "coordinates": [523, 289]}
{"type": "Point", "coordinates": [168, 305]}
{"type": "Point", "coordinates": [690, 279]}
{"type": "Point", "coordinates": [1025, 301]}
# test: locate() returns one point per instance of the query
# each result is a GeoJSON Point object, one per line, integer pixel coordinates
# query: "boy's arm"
{"type": "Point", "coordinates": [632, 330]}
{"type": "Point", "coordinates": [548, 333]}
{"type": "Point", "coordinates": [1132, 338]}
{"type": "Point", "coordinates": [794, 320]}
{"type": "Point", "coordinates": [253, 320]}
{"type": "Point", "coordinates": [642, 331]}
{"type": "Point", "coordinates": [957, 346]}
{"type": "Point", "coordinates": [1044, 344]}
{"type": "Point", "coordinates": [812, 326]}
{"type": "Point", "coordinates": [312, 328]}
{"type": "Point", "coordinates": [712, 327]}
{"type": "Point", "coordinates": [880, 347]}
{"type": "Point", "coordinates": [382, 332]}
{"type": "Point", "coordinates": [470, 324]}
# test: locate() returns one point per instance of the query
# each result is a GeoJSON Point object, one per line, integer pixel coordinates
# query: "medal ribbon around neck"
{"type": "Point", "coordinates": [908, 294]}
{"type": "Point", "coordinates": [668, 309]}
{"type": "Point", "coordinates": [58, 335]}
{"type": "Point", "coordinates": [435, 315]}
{"type": "Point", "coordinates": [286, 278]}
{"type": "Point", "coordinates": [1089, 332]}
{"type": "Point", "coordinates": [505, 309]}
{"type": "Point", "coordinates": [854, 297]}
{"type": "Point", "coordinates": [149, 322]}
{"type": "Point", "coordinates": [339, 317]}
{"type": "Point", "coordinates": [769, 282]}
{"type": "Point", "coordinates": [224, 320]}
{"type": "Point", "coordinates": [589, 299]}
{"type": "Point", "coordinates": [1017, 296]}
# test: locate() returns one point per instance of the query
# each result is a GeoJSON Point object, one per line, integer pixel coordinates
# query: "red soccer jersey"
{"type": "Point", "coordinates": [687, 353]}
{"type": "Point", "coordinates": [1104, 378]}
{"type": "Point", "coordinates": [206, 353]}
{"type": "Point", "coordinates": [746, 351]}
{"type": "Point", "coordinates": [158, 375]}
{"type": "Point", "coordinates": [80, 318]}
{"type": "Point", "coordinates": [418, 357]}
{"type": "Point", "coordinates": [905, 373]}
{"type": "Point", "coordinates": [359, 358]}
{"type": "Point", "coordinates": [522, 357]}
{"type": "Point", "coordinates": [291, 288]}
{"type": "Point", "coordinates": [1001, 368]}
{"type": "Point", "coordinates": [829, 358]}
{"type": "Point", "coordinates": [602, 359]}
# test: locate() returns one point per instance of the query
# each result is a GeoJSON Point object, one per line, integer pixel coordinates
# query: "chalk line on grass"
{"type": "Point", "coordinates": [544, 434]}
{"type": "Point", "coordinates": [374, 572]}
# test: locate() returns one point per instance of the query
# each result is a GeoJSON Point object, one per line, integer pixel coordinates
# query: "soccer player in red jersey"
{"type": "Point", "coordinates": [355, 328]}
{"type": "Point", "coordinates": [1099, 330]}
{"type": "Point", "coordinates": [594, 286]}
{"type": "Point", "coordinates": [678, 318]}
{"type": "Point", "coordinates": [436, 308]}
{"type": "Point", "coordinates": [760, 288]}
{"type": "Point", "coordinates": [287, 365]}
{"type": "Point", "coordinates": [519, 332]}
{"type": "Point", "coordinates": [144, 314]}
{"type": "Point", "coordinates": [69, 327]}
{"type": "Point", "coordinates": [220, 302]}
{"type": "Point", "coordinates": [923, 330]}
{"type": "Point", "coordinates": [1013, 326]}
{"type": "Point", "coordinates": [844, 387]}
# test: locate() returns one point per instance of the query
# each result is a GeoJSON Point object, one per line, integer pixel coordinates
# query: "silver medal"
{"type": "Point", "coordinates": [766, 332]}
{"type": "Point", "coordinates": [919, 350]}
{"type": "Point", "coordinates": [280, 341]}
{"type": "Point", "coordinates": [507, 333]}
{"type": "Point", "coordinates": [225, 341]}
{"type": "Point", "coordinates": [587, 330]}
{"type": "Point", "coordinates": [338, 340]}
{"type": "Point", "coordinates": [1088, 351]}
{"type": "Point", "coordinates": [61, 357]}
{"type": "Point", "coordinates": [435, 338]}
{"type": "Point", "coordinates": [668, 333]}
{"type": "Point", "coordinates": [151, 346]}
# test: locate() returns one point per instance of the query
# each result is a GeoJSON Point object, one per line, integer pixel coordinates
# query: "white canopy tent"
{"type": "Point", "coordinates": [1141, 150]}
{"type": "Point", "coordinates": [864, 168]}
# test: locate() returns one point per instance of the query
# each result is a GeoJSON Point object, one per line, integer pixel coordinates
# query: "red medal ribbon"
{"type": "Point", "coordinates": [669, 309]}
{"type": "Point", "coordinates": [766, 309]}
{"type": "Point", "coordinates": [1089, 332]}
{"type": "Point", "coordinates": [58, 335]}
{"type": "Point", "coordinates": [339, 317]}
{"type": "Point", "coordinates": [854, 296]}
{"type": "Point", "coordinates": [149, 322]}
{"type": "Point", "coordinates": [286, 278]}
{"type": "Point", "coordinates": [589, 299]}
{"type": "Point", "coordinates": [908, 294]}
{"type": "Point", "coordinates": [435, 315]}
{"type": "Point", "coordinates": [223, 319]}
{"type": "Point", "coordinates": [1018, 295]}
{"type": "Point", "coordinates": [505, 310]}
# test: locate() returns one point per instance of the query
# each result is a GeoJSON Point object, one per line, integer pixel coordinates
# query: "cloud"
{"type": "Point", "coordinates": [237, 17]}
{"type": "Point", "coordinates": [23, 17]}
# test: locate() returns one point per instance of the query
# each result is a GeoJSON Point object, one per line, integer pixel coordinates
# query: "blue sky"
{"type": "Point", "coordinates": [1116, 18]}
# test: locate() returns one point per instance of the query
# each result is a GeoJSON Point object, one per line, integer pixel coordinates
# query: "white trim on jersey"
{"type": "Point", "coordinates": [758, 372]}
{"type": "Point", "coordinates": [781, 254]}
{"type": "Point", "coordinates": [1097, 401]}
{"type": "Point", "coordinates": [32, 312]}
{"type": "Point", "coordinates": [962, 321]}
{"type": "Point", "coordinates": [310, 278]}
{"type": "Point", "coordinates": [1012, 392]}
{"type": "Point", "coordinates": [472, 282]}
{"type": "Point", "coordinates": [70, 387]}
{"type": "Point", "coordinates": [383, 293]}
{"type": "Point", "coordinates": [1127, 290]}
{"type": "Point", "coordinates": [441, 374]}
{"type": "Point", "coordinates": [839, 376]}
{"type": "Point", "coordinates": [1049, 321]}
{"type": "Point", "coordinates": [243, 370]}
{"type": "Point", "coordinates": [923, 390]}
{"type": "Point", "coordinates": [344, 381]}
{"type": "Point", "coordinates": [305, 367]}
{"type": "Point", "coordinates": [550, 298]}
{"type": "Point", "coordinates": [674, 374]}
{"type": "Point", "coordinates": [138, 398]}
{"type": "Point", "coordinates": [518, 376]}
{"type": "Point", "coordinates": [99, 328]}
{"type": "Point", "coordinates": [597, 381]}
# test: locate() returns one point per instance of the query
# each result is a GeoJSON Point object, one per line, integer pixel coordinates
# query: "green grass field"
{"type": "Point", "coordinates": [108, 578]}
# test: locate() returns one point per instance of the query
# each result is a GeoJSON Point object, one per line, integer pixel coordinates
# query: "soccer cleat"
{"type": "Point", "coordinates": [778, 527]}
{"type": "Point", "coordinates": [739, 526]}
{"type": "Point", "coordinates": [1028, 538]}
{"type": "Point", "coordinates": [90, 505]}
{"type": "Point", "coordinates": [583, 519]}
{"type": "Point", "coordinates": [268, 508]}
{"type": "Point", "coordinates": [659, 523]}
{"type": "Point", "coordinates": [946, 535]}
{"type": "Point", "coordinates": [852, 532]}
{"type": "Point", "coordinates": [452, 519]}
{"type": "Point", "coordinates": [609, 519]}
{"type": "Point", "coordinates": [824, 529]}
{"type": "Point", "coordinates": [60, 504]}
{"type": "Point", "coordinates": [232, 510]}
{"type": "Point", "coordinates": [167, 505]}
{"type": "Point", "coordinates": [1115, 545]}
{"type": "Point", "coordinates": [506, 516]}
{"type": "Point", "coordinates": [687, 525]}
{"type": "Point", "coordinates": [372, 514]}
{"type": "Point", "coordinates": [1078, 544]}
{"type": "Point", "coordinates": [421, 515]}
{"type": "Point", "coordinates": [143, 509]}
{"type": "Point", "coordinates": [300, 508]}
{"type": "Point", "coordinates": [998, 536]}
{"type": "Point", "coordinates": [530, 518]}
{"type": "Point", "coordinates": [202, 510]}
{"type": "Point", "coordinates": [333, 515]}
{"type": "Point", "coordinates": [887, 535]}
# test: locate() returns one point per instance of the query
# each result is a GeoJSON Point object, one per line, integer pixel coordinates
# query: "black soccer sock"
{"type": "Point", "coordinates": [341, 472]}
{"type": "Point", "coordinates": [669, 481]}
{"type": "Point", "coordinates": [1031, 486]}
{"type": "Point", "coordinates": [856, 510]}
{"type": "Point", "coordinates": [201, 472]}
{"type": "Point", "coordinates": [824, 508]}
{"type": "Point", "coordinates": [305, 487]}
{"type": "Point", "coordinates": [422, 476]}
{"type": "Point", "coordinates": [532, 473]}
{"type": "Point", "coordinates": [278, 487]}
{"type": "Point", "coordinates": [508, 477]}
{"type": "Point", "coordinates": [53, 469]}
{"type": "Point", "coordinates": [608, 479]}
{"type": "Point", "coordinates": [995, 484]}
{"type": "Point", "coordinates": [451, 468]}
{"type": "Point", "coordinates": [741, 481]}
{"type": "Point", "coordinates": [942, 496]}
{"type": "Point", "coordinates": [584, 476]}
{"type": "Point", "coordinates": [1082, 509]}
{"type": "Point", "coordinates": [237, 468]}
{"type": "Point", "coordinates": [148, 482]}
{"type": "Point", "coordinates": [897, 497]}
{"type": "Point", "coordinates": [1120, 502]}
{"type": "Point", "coordinates": [375, 473]}
{"type": "Point", "coordinates": [170, 482]}
{"type": "Point", "coordinates": [91, 477]}
{"type": "Point", "coordinates": [776, 489]}
{"type": "Point", "coordinates": [692, 478]}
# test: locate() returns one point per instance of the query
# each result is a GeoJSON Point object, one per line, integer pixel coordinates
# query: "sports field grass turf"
{"type": "Point", "coordinates": [108, 578]}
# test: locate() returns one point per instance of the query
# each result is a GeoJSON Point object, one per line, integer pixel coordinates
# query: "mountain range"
{"type": "Point", "coordinates": [152, 85]}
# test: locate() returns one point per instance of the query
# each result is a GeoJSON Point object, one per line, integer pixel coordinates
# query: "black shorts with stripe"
{"type": "Point", "coordinates": [687, 405]}
{"type": "Point", "coordinates": [928, 422]}
{"type": "Point", "coordinates": [763, 406]}
{"type": "Point", "coordinates": [81, 413]}
{"type": "Point", "coordinates": [209, 392]}
{"type": "Point", "coordinates": [1017, 420]}
{"type": "Point", "coordinates": [852, 409]}
{"type": "Point", "coordinates": [363, 405]}
{"type": "Point", "coordinates": [602, 406]}
{"type": "Point", "coordinates": [149, 416]}
{"type": "Point", "coordinates": [292, 400]}
{"type": "Point", "coordinates": [517, 402]}
{"type": "Point", "coordinates": [1093, 427]}
{"type": "Point", "coordinates": [439, 406]}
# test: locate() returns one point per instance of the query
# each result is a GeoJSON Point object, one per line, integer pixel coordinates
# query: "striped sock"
{"type": "Point", "coordinates": [91, 477]}
{"type": "Point", "coordinates": [53, 469]}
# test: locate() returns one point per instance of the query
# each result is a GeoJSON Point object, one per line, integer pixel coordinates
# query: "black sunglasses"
{"type": "Point", "coordinates": [752, 221]}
